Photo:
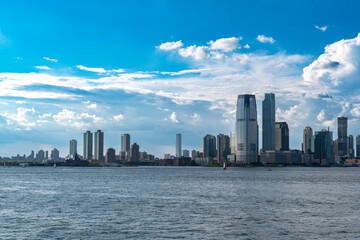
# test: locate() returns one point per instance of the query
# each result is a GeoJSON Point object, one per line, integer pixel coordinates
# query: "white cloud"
{"type": "Point", "coordinates": [119, 117]}
{"type": "Point", "coordinates": [72, 119]}
{"type": "Point", "coordinates": [43, 67]}
{"type": "Point", "coordinates": [91, 69]}
{"type": "Point", "coordinates": [168, 46]}
{"type": "Point", "coordinates": [264, 39]}
{"type": "Point", "coordinates": [321, 116]}
{"type": "Point", "coordinates": [173, 118]}
{"type": "Point", "coordinates": [225, 44]}
{"type": "Point", "coordinates": [22, 118]}
{"type": "Point", "coordinates": [92, 106]}
{"type": "Point", "coordinates": [246, 46]}
{"type": "Point", "coordinates": [50, 59]}
{"type": "Point", "coordinates": [324, 28]}
{"type": "Point", "coordinates": [198, 53]}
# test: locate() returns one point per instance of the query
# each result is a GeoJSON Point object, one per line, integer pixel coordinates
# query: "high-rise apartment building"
{"type": "Point", "coordinates": [307, 135]}
{"type": "Point", "coordinates": [209, 145]}
{"type": "Point", "coordinates": [99, 145]}
{"type": "Point", "coordinates": [54, 154]}
{"type": "Point", "coordinates": [88, 145]}
{"type": "Point", "coordinates": [125, 142]}
{"type": "Point", "coordinates": [73, 148]}
{"type": "Point", "coordinates": [281, 136]}
{"type": "Point", "coordinates": [134, 153]}
{"type": "Point", "coordinates": [246, 129]}
{"type": "Point", "coordinates": [342, 141]}
{"type": "Point", "coordinates": [268, 122]}
{"type": "Point", "coordinates": [178, 145]}
{"type": "Point", "coordinates": [358, 145]}
{"type": "Point", "coordinates": [110, 155]}
{"type": "Point", "coordinates": [223, 147]}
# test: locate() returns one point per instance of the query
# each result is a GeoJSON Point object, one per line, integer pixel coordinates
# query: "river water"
{"type": "Point", "coordinates": [179, 203]}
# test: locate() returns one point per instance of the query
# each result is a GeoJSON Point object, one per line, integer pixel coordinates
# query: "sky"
{"type": "Point", "coordinates": [157, 68]}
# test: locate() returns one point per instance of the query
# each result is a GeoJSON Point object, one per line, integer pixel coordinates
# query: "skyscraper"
{"type": "Point", "coordinates": [268, 122]}
{"type": "Point", "coordinates": [99, 145]}
{"type": "Point", "coordinates": [134, 153]}
{"type": "Point", "coordinates": [88, 145]}
{"type": "Point", "coordinates": [73, 148]}
{"type": "Point", "coordinates": [281, 136]}
{"type": "Point", "coordinates": [307, 135]}
{"type": "Point", "coordinates": [186, 153]}
{"type": "Point", "coordinates": [223, 147]}
{"type": "Point", "coordinates": [322, 147]}
{"type": "Point", "coordinates": [246, 129]}
{"type": "Point", "coordinates": [209, 144]}
{"type": "Point", "coordinates": [350, 145]}
{"type": "Point", "coordinates": [125, 142]}
{"type": "Point", "coordinates": [232, 142]}
{"type": "Point", "coordinates": [358, 145]}
{"type": "Point", "coordinates": [178, 145]}
{"type": "Point", "coordinates": [54, 154]}
{"type": "Point", "coordinates": [342, 140]}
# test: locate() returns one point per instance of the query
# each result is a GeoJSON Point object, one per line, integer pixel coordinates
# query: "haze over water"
{"type": "Point", "coordinates": [188, 203]}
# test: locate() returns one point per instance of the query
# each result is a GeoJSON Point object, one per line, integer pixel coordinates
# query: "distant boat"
{"type": "Point", "coordinates": [224, 166]}
{"type": "Point", "coordinates": [23, 165]}
{"type": "Point", "coordinates": [54, 165]}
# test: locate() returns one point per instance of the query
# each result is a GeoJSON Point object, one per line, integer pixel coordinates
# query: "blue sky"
{"type": "Point", "coordinates": [156, 68]}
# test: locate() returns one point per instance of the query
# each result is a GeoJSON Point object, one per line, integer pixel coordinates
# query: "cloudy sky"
{"type": "Point", "coordinates": [157, 68]}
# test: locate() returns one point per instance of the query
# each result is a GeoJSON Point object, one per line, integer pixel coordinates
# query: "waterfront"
{"type": "Point", "coordinates": [179, 202]}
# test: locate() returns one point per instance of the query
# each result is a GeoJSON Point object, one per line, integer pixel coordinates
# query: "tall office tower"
{"type": "Point", "coordinates": [358, 145]}
{"type": "Point", "coordinates": [178, 145]}
{"type": "Point", "coordinates": [268, 122]}
{"type": "Point", "coordinates": [46, 154]}
{"type": "Point", "coordinates": [88, 145]}
{"type": "Point", "coordinates": [342, 136]}
{"type": "Point", "coordinates": [134, 153]}
{"type": "Point", "coordinates": [54, 154]}
{"type": "Point", "coordinates": [186, 153]}
{"type": "Point", "coordinates": [246, 129]}
{"type": "Point", "coordinates": [322, 147]}
{"type": "Point", "coordinates": [209, 145]}
{"type": "Point", "coordinates": [350, 146]}
{"type": "Point", "coordinates": [110, 155]}
{"type": "Point", "coordinates": [223, 147]}
{"type": "Point", "coordinates": [125, 142]}
{"type": "Point", "coordinates": [232, 142]}
{"type": "Point", "coordinates": [73, 148]}
{"type": "Point", "coordinates": [281, 136]}
{"type": "Point", "coordinates": [307, 135]}
{"type": "Point", "coordinates": [99, 145]}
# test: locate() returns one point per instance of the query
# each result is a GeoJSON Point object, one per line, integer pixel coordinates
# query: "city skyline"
{"type": "Point", "coordinates": [64, 77]}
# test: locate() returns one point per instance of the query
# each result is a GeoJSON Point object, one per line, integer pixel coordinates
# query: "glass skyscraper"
{"type": "Point", "coordinates": [73, 148]}
{"type": "Point", "coordinates": [268, 122]}
{"type": "Point", "coordinates": [246, 129]}
{"type": "Point", "coordinates": [125, 142]}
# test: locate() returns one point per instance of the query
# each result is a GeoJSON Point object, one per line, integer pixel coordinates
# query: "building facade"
{"type": "Point", "coordinates": [125, 142]}
{"type": "Point", "coordinates": [99, 145]}
{"type": "Point", "coordinates": [223, 147]}
{"type": "Point", "coordinates": [209, 145]}
{"type": "Point", "coordinates": [134, 153]}
{"type": "Point", "coordinates": [178, 145]}
{"type": "Point", "coordinates": [88, 145]}
{"type": "Point", "coordinates": [232, 143]}
{"type": "Point", "coordinates": [342, 141]}
{"type": "Point", "coordinates": [322, 147]}
{"type": "Point", "coordinates": [307, 135]}
{"type": "Point", "coordinates": [281, 136]}
{"type": "Point", "coordinates": [73, 148]}
{"type": "Point", "coordinates": [110, 155]}
{"type": "Point", "coordinates": [246, 129]}
{"type": "Point", "coordinates": [358, 145]}
{"type": "Point", "coordinates": [268, 122]}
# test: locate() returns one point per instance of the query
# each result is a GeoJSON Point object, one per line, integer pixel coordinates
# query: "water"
{"type": "Point", "coordinates": [181, 203]}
